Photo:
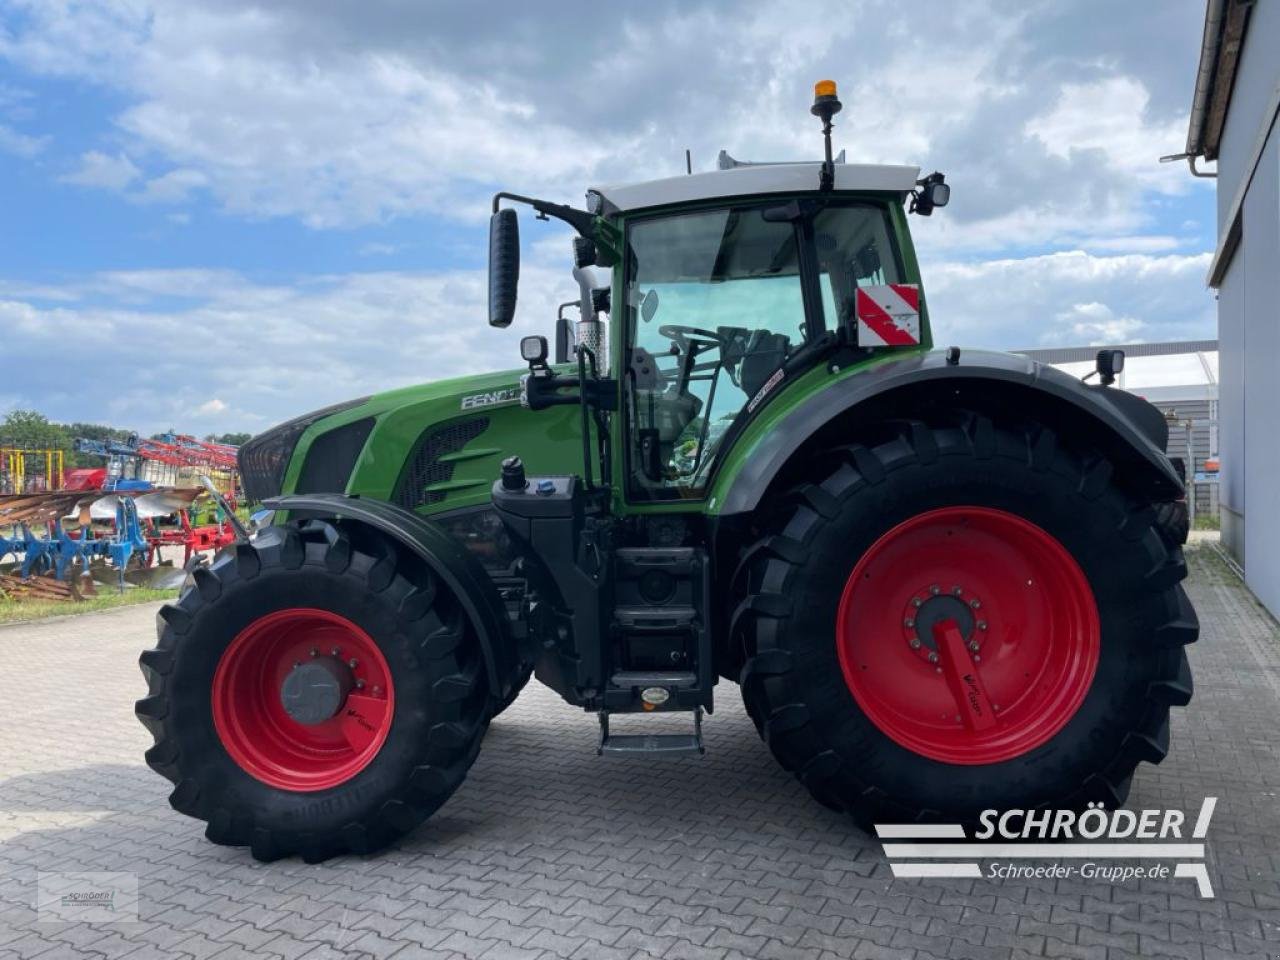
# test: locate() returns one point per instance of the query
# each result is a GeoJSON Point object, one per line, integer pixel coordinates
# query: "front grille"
{"type": "Point", "coordinates": [332, 457]}
{"type": "Point", "coordinates": [264, 459]}
{"type": "Point", "coordinates": [425, 468]}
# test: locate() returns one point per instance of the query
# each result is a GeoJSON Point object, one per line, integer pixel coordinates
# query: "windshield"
{"type": "Point", "coordinates": [715, 309]}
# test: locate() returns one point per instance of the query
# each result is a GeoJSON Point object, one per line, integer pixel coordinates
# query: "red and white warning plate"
{"type": "Point", "coordinates": [888, 315]}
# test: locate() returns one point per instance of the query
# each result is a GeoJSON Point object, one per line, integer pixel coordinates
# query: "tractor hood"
{"type": "Point", "coordinates": [430, 446]}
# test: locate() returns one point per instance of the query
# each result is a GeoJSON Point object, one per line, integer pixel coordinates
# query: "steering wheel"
{"type": "Point", "coordinates": [682, 336]}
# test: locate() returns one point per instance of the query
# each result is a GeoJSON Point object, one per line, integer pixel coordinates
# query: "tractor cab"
{"type": "Point", "coordinates": [725, 287]}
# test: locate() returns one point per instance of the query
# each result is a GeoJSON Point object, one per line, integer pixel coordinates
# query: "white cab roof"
{"type": "Point", "coordinates": [751, 179]}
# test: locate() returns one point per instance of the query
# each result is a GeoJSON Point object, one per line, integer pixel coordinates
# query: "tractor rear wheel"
{"type": "Point", "coordinates": [965, 617]}
{"type": "Point", "coordinates": [313, 692]}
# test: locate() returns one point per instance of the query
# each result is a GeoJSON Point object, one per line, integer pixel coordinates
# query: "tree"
{"type": "Point", "coordinates": [32, 430]}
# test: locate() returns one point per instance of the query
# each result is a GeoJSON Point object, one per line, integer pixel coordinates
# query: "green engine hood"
{"type": "Point", "coordinates": [438, 446]}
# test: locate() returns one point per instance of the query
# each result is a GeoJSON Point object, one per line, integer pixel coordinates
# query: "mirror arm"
{"type": "Point", "coordinates": [542, 392]}
{"type": "Point", "coordinates": [580, 220]}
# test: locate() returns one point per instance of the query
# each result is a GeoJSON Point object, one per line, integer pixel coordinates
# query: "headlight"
{"type": "Point", "coordinates": [264, 459]}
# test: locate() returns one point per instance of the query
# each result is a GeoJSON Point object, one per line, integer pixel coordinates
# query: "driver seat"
{"type": "Point", "coordinates": [764, 354]}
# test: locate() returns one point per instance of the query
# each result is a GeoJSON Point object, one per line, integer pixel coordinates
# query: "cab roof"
{"type": "Point", "coordinates": [751, 179]}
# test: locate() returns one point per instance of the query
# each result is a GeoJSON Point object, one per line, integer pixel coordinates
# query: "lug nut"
{"type": "Point", "coordinates": [916, 601]}
{"type": "Point", "coordinates": [933, 657]}
{"type": "Point", "coordinates": [935, 589]}
{"type": "Point", "coordinates": [908, 622]}
{"type": "Point", "coordinates": [315, 652]}
{"type": "Point", "coordinates": [974, 646]}
{"type": "Point", "coordinates": [977, 658]}
{"type": "Point", "coordinates": [335, 651]}
{"type": "Point", "coordinates": [915, 643]}
{"type": "Point", "coordinates": [957, 591]}
{"type": "Point", "coordinates": [359, 684]}
{"type": "Point", "coordinates": [975, 603]}
{"type": "Point", "coordinates": [352, 663]}
{"type": "Point", "coordinates": [982, 624]}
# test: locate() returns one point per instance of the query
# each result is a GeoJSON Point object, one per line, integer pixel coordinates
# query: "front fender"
{"type": "Point", "coordinates": [457, 568]}
{"type": "Point", "coordinates": [1124, 427]}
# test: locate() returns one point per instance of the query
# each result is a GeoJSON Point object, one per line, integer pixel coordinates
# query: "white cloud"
{"type": "Point", "coordinates": [1108, 118]}
{"type": "Point", "coordinates": [20, 144]}
{"type": "Point", "coordinates": [297, 346]}
{"type": "Point", "coordinates": [98, 169]}
{"type": "Point", "coordinates": [1065, 299]}
{"type": "Point", "coordinates": [342, 115]}
{"type": "Point", "coordinates": [173, 187]}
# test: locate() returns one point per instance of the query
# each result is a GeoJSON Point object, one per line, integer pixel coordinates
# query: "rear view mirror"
{"type": "Point", "coordinates": [504, 267]}
{"type": "Point", "coordinates": [649, 305]}
{"type": "Point", "coordinates": [866, 262]}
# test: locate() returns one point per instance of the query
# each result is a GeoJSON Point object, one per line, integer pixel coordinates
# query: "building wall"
{"type": "Point", "coordinates": [1260, 249]}
{"type": "Point", "coordinates": [1231, 406]}
{"type": "Point", "coordinates": [1249, 316]}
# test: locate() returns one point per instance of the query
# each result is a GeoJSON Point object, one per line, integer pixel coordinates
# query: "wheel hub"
{"type": "Point", "coordinates": [315, 691]}
{"type": "Point", "coordinates": [929, 607]}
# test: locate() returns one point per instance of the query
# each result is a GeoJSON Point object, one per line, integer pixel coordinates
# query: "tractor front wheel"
{"type": "Point", "coordinates": [313, 692]}
{"type": "Point", "coordinates": [964, 617]}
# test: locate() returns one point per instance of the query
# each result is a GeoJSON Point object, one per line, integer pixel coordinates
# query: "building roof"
{"type": "Point", "coordinates": [1225, 24]}
{"type": "Point", "coordinates": [751, 179]}
{"type": "Point", "coordinates": [1162, 372]}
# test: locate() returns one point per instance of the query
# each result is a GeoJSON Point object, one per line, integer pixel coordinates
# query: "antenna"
{"type": "Point", "coordinates": [688, 161]}
{"type": "Point", "coordinates": [825, 106]}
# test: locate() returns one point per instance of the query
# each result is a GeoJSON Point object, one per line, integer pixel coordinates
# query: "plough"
{"type": "Point", "coordinates": [72, 543]}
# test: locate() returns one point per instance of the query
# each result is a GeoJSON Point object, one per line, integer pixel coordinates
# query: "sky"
{"type": "Point", "coordinates": [217, 214]}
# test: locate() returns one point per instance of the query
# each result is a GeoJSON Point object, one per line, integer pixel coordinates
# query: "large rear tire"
{"type": "Point", "coordinates": [272, 765]}
{"type": "Point", "coordinates": [1066, 622]}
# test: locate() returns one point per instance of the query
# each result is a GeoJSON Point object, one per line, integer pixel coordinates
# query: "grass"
{"type": "Point", "coordinates": [19, 611]}
{"type": "Point", "coordinates": [1208, 521]}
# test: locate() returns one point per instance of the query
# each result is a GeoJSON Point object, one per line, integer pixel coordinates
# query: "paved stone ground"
{"type": "Point", "coordinates": [549, 852]}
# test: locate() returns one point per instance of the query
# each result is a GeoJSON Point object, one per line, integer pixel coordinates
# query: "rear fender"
{"type": "Point", "coordinates": [457, 568]}
{"type": "Point", "coordinates": [1122, 426]}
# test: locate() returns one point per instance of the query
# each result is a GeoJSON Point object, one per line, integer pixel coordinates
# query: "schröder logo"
{"type": "Point", "coordinates": [1080, 843]}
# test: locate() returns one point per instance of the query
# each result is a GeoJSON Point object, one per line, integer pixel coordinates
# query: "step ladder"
{"type": "Point", "coordinates": [651, 745]}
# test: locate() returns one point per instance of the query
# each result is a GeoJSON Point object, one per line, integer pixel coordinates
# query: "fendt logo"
{"type": "Point", "coordinates": [491, 399]}
{"type": "Point", "coordinates": [1020, 835]}
{"type": "Point", "coordinates": [975, 700]}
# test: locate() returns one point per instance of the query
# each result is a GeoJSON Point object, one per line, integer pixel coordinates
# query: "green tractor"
{"type": "Point", "coordinates": [939, 578]}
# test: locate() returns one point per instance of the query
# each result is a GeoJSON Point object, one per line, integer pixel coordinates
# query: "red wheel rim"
{"type": "Point", "coordinates": [968, 635]}
{"type": "Point", "coordinates": [250, 716]}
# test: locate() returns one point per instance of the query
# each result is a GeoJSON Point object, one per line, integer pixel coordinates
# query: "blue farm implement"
{"type": "Point", "coordinates": [74, 549]}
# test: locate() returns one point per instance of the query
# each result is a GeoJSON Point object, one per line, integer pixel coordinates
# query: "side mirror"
{"type": "Point", "coordinates": [564, 331]}
{"type": "Point", "coordinates": [649, 305]}
{"type": "Point", "coordinates": [504, 267]}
